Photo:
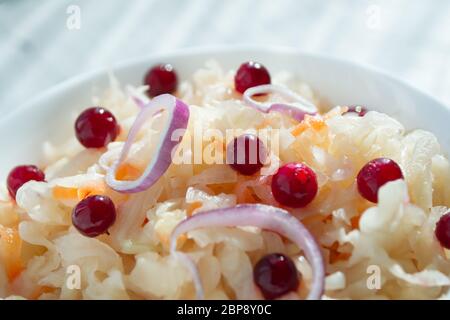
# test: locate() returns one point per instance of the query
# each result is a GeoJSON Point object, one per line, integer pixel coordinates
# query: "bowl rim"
{"type": "Point", "coordinates": [75, 80]}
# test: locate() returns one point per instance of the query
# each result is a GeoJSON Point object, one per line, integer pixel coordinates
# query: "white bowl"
{"type": "Point", "coordinates": [339, 82]}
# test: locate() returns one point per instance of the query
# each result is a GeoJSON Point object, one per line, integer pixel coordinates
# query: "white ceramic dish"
{"type": "Point", "coordinates": [339, 82]}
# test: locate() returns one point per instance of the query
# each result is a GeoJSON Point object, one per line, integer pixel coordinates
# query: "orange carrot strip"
{"type": "Point", "coordinates": [310, 122]}
{"type": "Point", "coordinates": [64, 193]}
{"type": "Point", "coordinates": [335, 255]}
{"type": "Point", "coordinates": [355, 222]}
{"type": "Point", "coordinates": [10, 251]}
{"type": "Point", "coordinates": [127, 171]}
{"type": "Point", "coordinates": [192, 207]}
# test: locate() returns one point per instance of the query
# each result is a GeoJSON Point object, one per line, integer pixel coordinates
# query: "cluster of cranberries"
{"type": "Point", "coordinates": [95, 127]}
{"type": "Point", "coordinates": [92, 216]}
{"type": "Point", "coordinates": [293, 185]}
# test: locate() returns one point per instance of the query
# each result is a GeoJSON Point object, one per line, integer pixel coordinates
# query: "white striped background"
{"type": "Point", "coordinates": [37, 50]}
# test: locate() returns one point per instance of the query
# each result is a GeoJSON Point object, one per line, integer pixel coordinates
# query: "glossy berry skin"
{"type": "Point", "coordinates": [357, 110]}
{"type": "Point", "coordinates": [442, 231]}
{"type": "Point", "coordinates": [250, 74]}
{"type": "Point", "coordinates": [22, 174]}
{"type": "Point", "coordinates": [93, 215]}
{"type": "Point", "coordinates": [246, 154]}
{"type": "Point", "coordinates": [275, 275]}
{"type": "Point", "coordinates": [374, 175]}
{"type": "Point", "coordinates": [96, 127]}
{"type": "Point", "coordinates": [294, 185]}
{"type": "Point", "coordinates": [161, 79]}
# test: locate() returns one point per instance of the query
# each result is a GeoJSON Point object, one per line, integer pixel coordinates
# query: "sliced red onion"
{"type": "Point", "coordinates": [261, 216]}
{"type": "Point", "coordinates": [138, 97]}
{"type": "Point", "coordinates": [297, 109]}
{"type": "Point", "coordinates": [139, 101]}
{"type": "Point", "coordinates": [143, 102]}
{"type": "Point", "coordinates": [178, 117]}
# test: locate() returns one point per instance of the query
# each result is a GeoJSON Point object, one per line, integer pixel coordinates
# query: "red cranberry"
{"type": "Point", "coordinates": [275, 275]}
{"type": "Point", "coordinates": [96, 127]}
{"type": "Point", "coordinates": [161, 79]}
{"type": "Point", "coordinates": [357, 110]}
{"type": "Point", "coordinates": [250, 74]}
{"type": "Point", "coordinates": [22, 174]}
{"type": "Point", "coordinates": [294, 185]}
{"type": "Point", "coordinates": [443, 230]}
{"type": "Point", "coordinates": [93, 215]}
{"type": "Point", "coordinates": [374, 175]}
{"type": "Point", "coordinates": [246, 154]}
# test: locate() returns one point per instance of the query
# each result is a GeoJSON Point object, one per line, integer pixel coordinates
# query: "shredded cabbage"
{"type": "Point", "coordinates": [394, 237]}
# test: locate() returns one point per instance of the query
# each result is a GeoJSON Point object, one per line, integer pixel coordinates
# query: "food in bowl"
{"type": "Point", "coordinates": [229, 185]}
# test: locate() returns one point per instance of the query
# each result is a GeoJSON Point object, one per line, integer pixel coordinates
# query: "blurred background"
{"type": "Point", "coordinates": [45, 42]}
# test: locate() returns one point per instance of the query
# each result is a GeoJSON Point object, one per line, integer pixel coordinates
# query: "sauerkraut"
{"type": "Point", "coordinates": [386, 250]}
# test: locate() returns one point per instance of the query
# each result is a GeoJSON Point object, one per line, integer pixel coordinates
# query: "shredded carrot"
{"type": "Point", "coordinates": [310, 122]}
{"type": "Point", "coordinates": [90, 190]}
{"type": "Point", "coordinates": [97, 188]}
{"type": "Point", "coordinates": [191, 207]}
{"type": "Point", "coordinates": [246, 196]}
{"type": "Point", "coordinates": [313, 218]}
{"type": "Point", "coordinates": [68, 193]}
{"type": "Point", "coordinates": [355, 221]}
{"type": "Point", "coordinates": [362, 206]}
{"type": "Point", "coordinates": [181, 239]}
{"type": "Point", "coordinates": [127, 171]}
{"type": "Point", "coordinates": [316, 123]}
{"type": "Point", "coordinates": [222, 188]}
{"type": "Point", "coordinates": [10, 250]}
{"type": "Point", "coordinates": [250, 197]}
{"type": "Point", "coordinates": [64, 193]}
{"type": "Point", "coordinates": [41, 290]}
{"type": "Point", "coordinates": [335, 255]}
{"type": "Point", "coordinates": [299, 129]}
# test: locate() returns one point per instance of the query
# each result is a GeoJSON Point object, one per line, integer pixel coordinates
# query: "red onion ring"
{"type": "Point", "coordinates": [140, 102]}
{"type": "Point", "coordinates": [178, 119]}
{"type": "Point", "coordinates": [297, 110]}
{"type": "Point", "coordinates": [261, 216]}
{"type": "Point", "coordinates": [140, 99]}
